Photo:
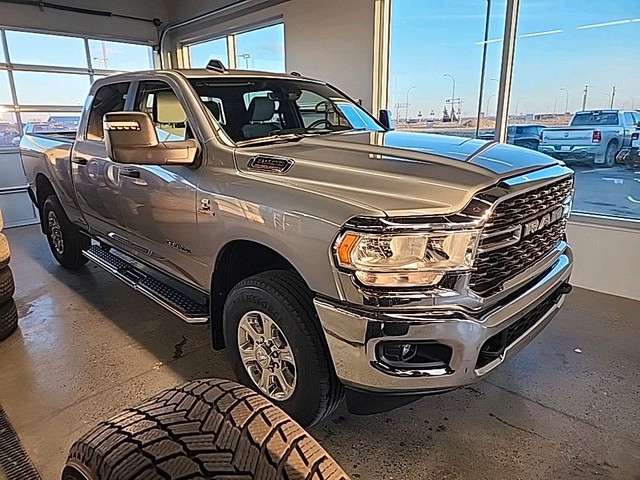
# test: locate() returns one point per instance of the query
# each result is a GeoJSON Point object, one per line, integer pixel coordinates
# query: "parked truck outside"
{"type": "Point", "coordinates": [593, 135]}
{"type": "Point", "coordinates": [330, 254]}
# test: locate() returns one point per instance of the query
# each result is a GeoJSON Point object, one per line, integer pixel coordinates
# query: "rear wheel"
{"type": "Point", "coordinates": [65, 240]}
{"type": "Point", "coordinates": [610, 154]}
{"type": "Point", "coordinates": [276, 345]}
{"type": "Point", "coordinates": [8, 319]}
{"type": "Point", "coordinates": [203, 429]}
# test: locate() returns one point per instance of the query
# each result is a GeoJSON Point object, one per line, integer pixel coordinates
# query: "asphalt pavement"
{"type": "Point", "coordinates": [611, 191]}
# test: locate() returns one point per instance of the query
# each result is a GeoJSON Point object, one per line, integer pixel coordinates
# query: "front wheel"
{"type": "Point", "coordinates": [276, 345]}
{"type": "Point", "coordinates": [610, 155]}
{"type": "Point", "coordinates": [65, 240]}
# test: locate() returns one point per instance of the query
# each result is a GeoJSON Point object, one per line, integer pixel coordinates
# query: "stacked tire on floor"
{"type": "Point", "coordinates": [8, 312]}
{"type": "Point", "coordinates": [204, 429]}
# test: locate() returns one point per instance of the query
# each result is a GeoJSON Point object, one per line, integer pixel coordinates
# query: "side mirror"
{"type": "Point", "coordinates": [131, 138]}
{"type": "Point", "coordinates": [386, 119]}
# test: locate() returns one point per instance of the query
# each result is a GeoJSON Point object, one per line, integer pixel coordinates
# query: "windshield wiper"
{"type": "Point", "coordinates": [280, 138]}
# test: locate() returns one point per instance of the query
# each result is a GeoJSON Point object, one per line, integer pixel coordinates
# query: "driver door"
{"type": "Point", "coordinates": [159, 202]}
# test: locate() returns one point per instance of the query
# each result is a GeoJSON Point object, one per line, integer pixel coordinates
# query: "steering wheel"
{"type": "Point", "coordinates": [317, 123]}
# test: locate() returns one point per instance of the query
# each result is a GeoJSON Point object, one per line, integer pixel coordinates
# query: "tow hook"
{"type": "Point", "coordinates": [565, 288]}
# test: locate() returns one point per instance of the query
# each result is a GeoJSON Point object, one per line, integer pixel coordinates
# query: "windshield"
{"type": "Point", "coordinates": [249, 108]}
{"type": "Point", "coordinates": [595, 118]}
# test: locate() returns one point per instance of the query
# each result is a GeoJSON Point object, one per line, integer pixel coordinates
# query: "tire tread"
{"type": "Point", "coordinates": [248, 438]}
{"type": "Point", "coordinates": [8, 319]}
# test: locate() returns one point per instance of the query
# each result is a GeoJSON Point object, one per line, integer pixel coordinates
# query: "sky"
{"type": "Point", "coordinates": [261, 49]}
{"type": "Point", "coordinates": [431, 38]}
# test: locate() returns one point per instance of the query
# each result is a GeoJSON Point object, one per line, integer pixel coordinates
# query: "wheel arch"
{"type": "Point", "coordinates": [44, 189]}
{"type": "Point", "coordinates": [231, 267]}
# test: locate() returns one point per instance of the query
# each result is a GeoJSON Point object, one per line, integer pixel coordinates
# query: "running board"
{"type": "Point", "coordinates": [185, 307]}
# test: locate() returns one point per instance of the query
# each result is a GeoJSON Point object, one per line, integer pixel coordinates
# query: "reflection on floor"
{"type": "Point", "coordinates": [566, 407]}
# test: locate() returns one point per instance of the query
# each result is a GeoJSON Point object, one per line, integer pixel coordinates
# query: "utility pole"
{"type": "Point", "coordinates": [584, 98]}
{"type": "Point", "coordinates": [613, 95]}
{"type": "Point", "coordinates": [566, 103]}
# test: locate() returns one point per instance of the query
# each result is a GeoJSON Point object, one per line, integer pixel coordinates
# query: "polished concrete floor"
{"type": "Point", "coordinates": [568, 406]}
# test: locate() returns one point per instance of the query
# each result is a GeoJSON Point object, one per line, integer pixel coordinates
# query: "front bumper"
{"type": "Point", "coordinates": [353, 335]}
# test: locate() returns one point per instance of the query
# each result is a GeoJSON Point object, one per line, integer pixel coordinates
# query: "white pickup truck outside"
{"type": "Point", "coordinates": [596, 135]}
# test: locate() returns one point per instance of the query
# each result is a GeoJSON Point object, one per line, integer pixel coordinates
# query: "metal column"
{"type": "Point", "coordinates": [506, 69]}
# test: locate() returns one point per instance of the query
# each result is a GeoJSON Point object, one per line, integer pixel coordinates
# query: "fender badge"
{"type": "Point", "coordinates": [205, 207]}
{"type": "Point", "coordinates": [270, 164]}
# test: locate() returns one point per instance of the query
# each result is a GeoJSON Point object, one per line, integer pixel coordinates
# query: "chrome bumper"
{"type": "Point", "coordinates": [352, 336]}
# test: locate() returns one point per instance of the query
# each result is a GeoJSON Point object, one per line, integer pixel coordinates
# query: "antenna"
{"type": "Point", "coordinates": [216, 66]}
{"type": "Point", "coordinates": [295, 74]}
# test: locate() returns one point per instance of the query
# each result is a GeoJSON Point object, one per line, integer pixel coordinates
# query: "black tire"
{"type": "Point", "coordinates": [5, 252]}
{"type": "Point", "coordinates": [204, 429]}
{"type": "Point", "coordinates": [7, 285]}
{"type": "Point", "coordinates": [58, 228]}
{"type": "Point", "coordinates": [284, 297]}
{"type": "Point", "coordinates": [8, 319]}
{"type": "Point", "coordinates": [610, 154]}
{"type": "Point", "coordinates": [530, 144]}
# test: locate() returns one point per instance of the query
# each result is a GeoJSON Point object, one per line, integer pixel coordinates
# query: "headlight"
{"type": "Point", "coordinates": [405, 260]}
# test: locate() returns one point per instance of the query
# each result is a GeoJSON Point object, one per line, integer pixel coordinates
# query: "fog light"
{"type": "Point", "coordinates": [425, 354]}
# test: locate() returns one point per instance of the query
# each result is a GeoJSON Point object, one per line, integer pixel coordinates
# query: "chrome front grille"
{"type": "Point", "coordinates": [520, 208]}
{"type": "Point", "coordinates": [503, 251]}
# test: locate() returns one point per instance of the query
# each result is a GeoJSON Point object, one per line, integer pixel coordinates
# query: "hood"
{"type": "Point", "coordinates": [397, 173]}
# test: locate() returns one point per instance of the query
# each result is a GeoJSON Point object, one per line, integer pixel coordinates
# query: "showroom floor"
{"type": "Point", "coordinates": [568, 406]}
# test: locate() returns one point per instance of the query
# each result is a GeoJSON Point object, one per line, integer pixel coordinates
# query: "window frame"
{"type": "Point", "coordinates": [18, 109]}
{"type": "Point", "coordinates": [184, 58]}
{"type": "Point", "coordinates": [127, 103]}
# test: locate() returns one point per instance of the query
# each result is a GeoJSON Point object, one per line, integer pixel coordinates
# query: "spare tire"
{"type": "Point", "coordinates": [8, 319]}
{"type": "Point", "coordinates": [5, 254]}
{"type": "Point", "coordinates": [203, 429]}
{"type": "Point", "coordinates": [7, 286]}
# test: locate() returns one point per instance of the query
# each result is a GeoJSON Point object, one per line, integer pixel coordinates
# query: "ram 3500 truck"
{"type": "Point", "coordinates": [329, 253]}
{"type": "Point", "coordinates": [596, 135]}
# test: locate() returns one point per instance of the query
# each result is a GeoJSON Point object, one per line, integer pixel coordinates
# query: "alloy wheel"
{"type": "Point", "coordinates": [266, 355]}
{"type": "Point", "coordinates": [55, 233]}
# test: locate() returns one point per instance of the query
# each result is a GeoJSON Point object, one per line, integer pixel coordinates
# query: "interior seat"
{"type": "Point", "coordinates": [170, 117]}
{"type": "Point", "coordinates": [261, 110]}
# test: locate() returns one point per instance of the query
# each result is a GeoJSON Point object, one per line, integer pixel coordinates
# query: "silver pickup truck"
{"type": "Point", "coordinates": [330, 254]}
{"type": "Point", "coordinates": [595, 135]}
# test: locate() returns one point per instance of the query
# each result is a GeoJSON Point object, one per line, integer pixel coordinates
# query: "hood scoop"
{"type": "Point", "coordinates": [270, 164]}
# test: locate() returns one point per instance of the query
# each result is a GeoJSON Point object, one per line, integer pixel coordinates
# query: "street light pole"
{"type": "Point", "coordinates": [453, 94]}
{"type": "Point", "coordinates": [555, 103]}
{"type": "Point", "coordinates": [489, 102]}
{"type": "Point", "coordinates": [246, 57]}
{"type": "Point", "coordinates": [517, 104]}
{"type": "Point", "coordinates": [407, 104]}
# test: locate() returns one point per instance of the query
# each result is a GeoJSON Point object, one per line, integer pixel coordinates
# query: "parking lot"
{"type": "Point", "coordinates": [612, 191]}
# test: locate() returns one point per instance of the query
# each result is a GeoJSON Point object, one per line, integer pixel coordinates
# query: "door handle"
{"type": "Point", "coordinates": [79, 160]}
{"type": "Point", "coordinates": [130, 172]}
